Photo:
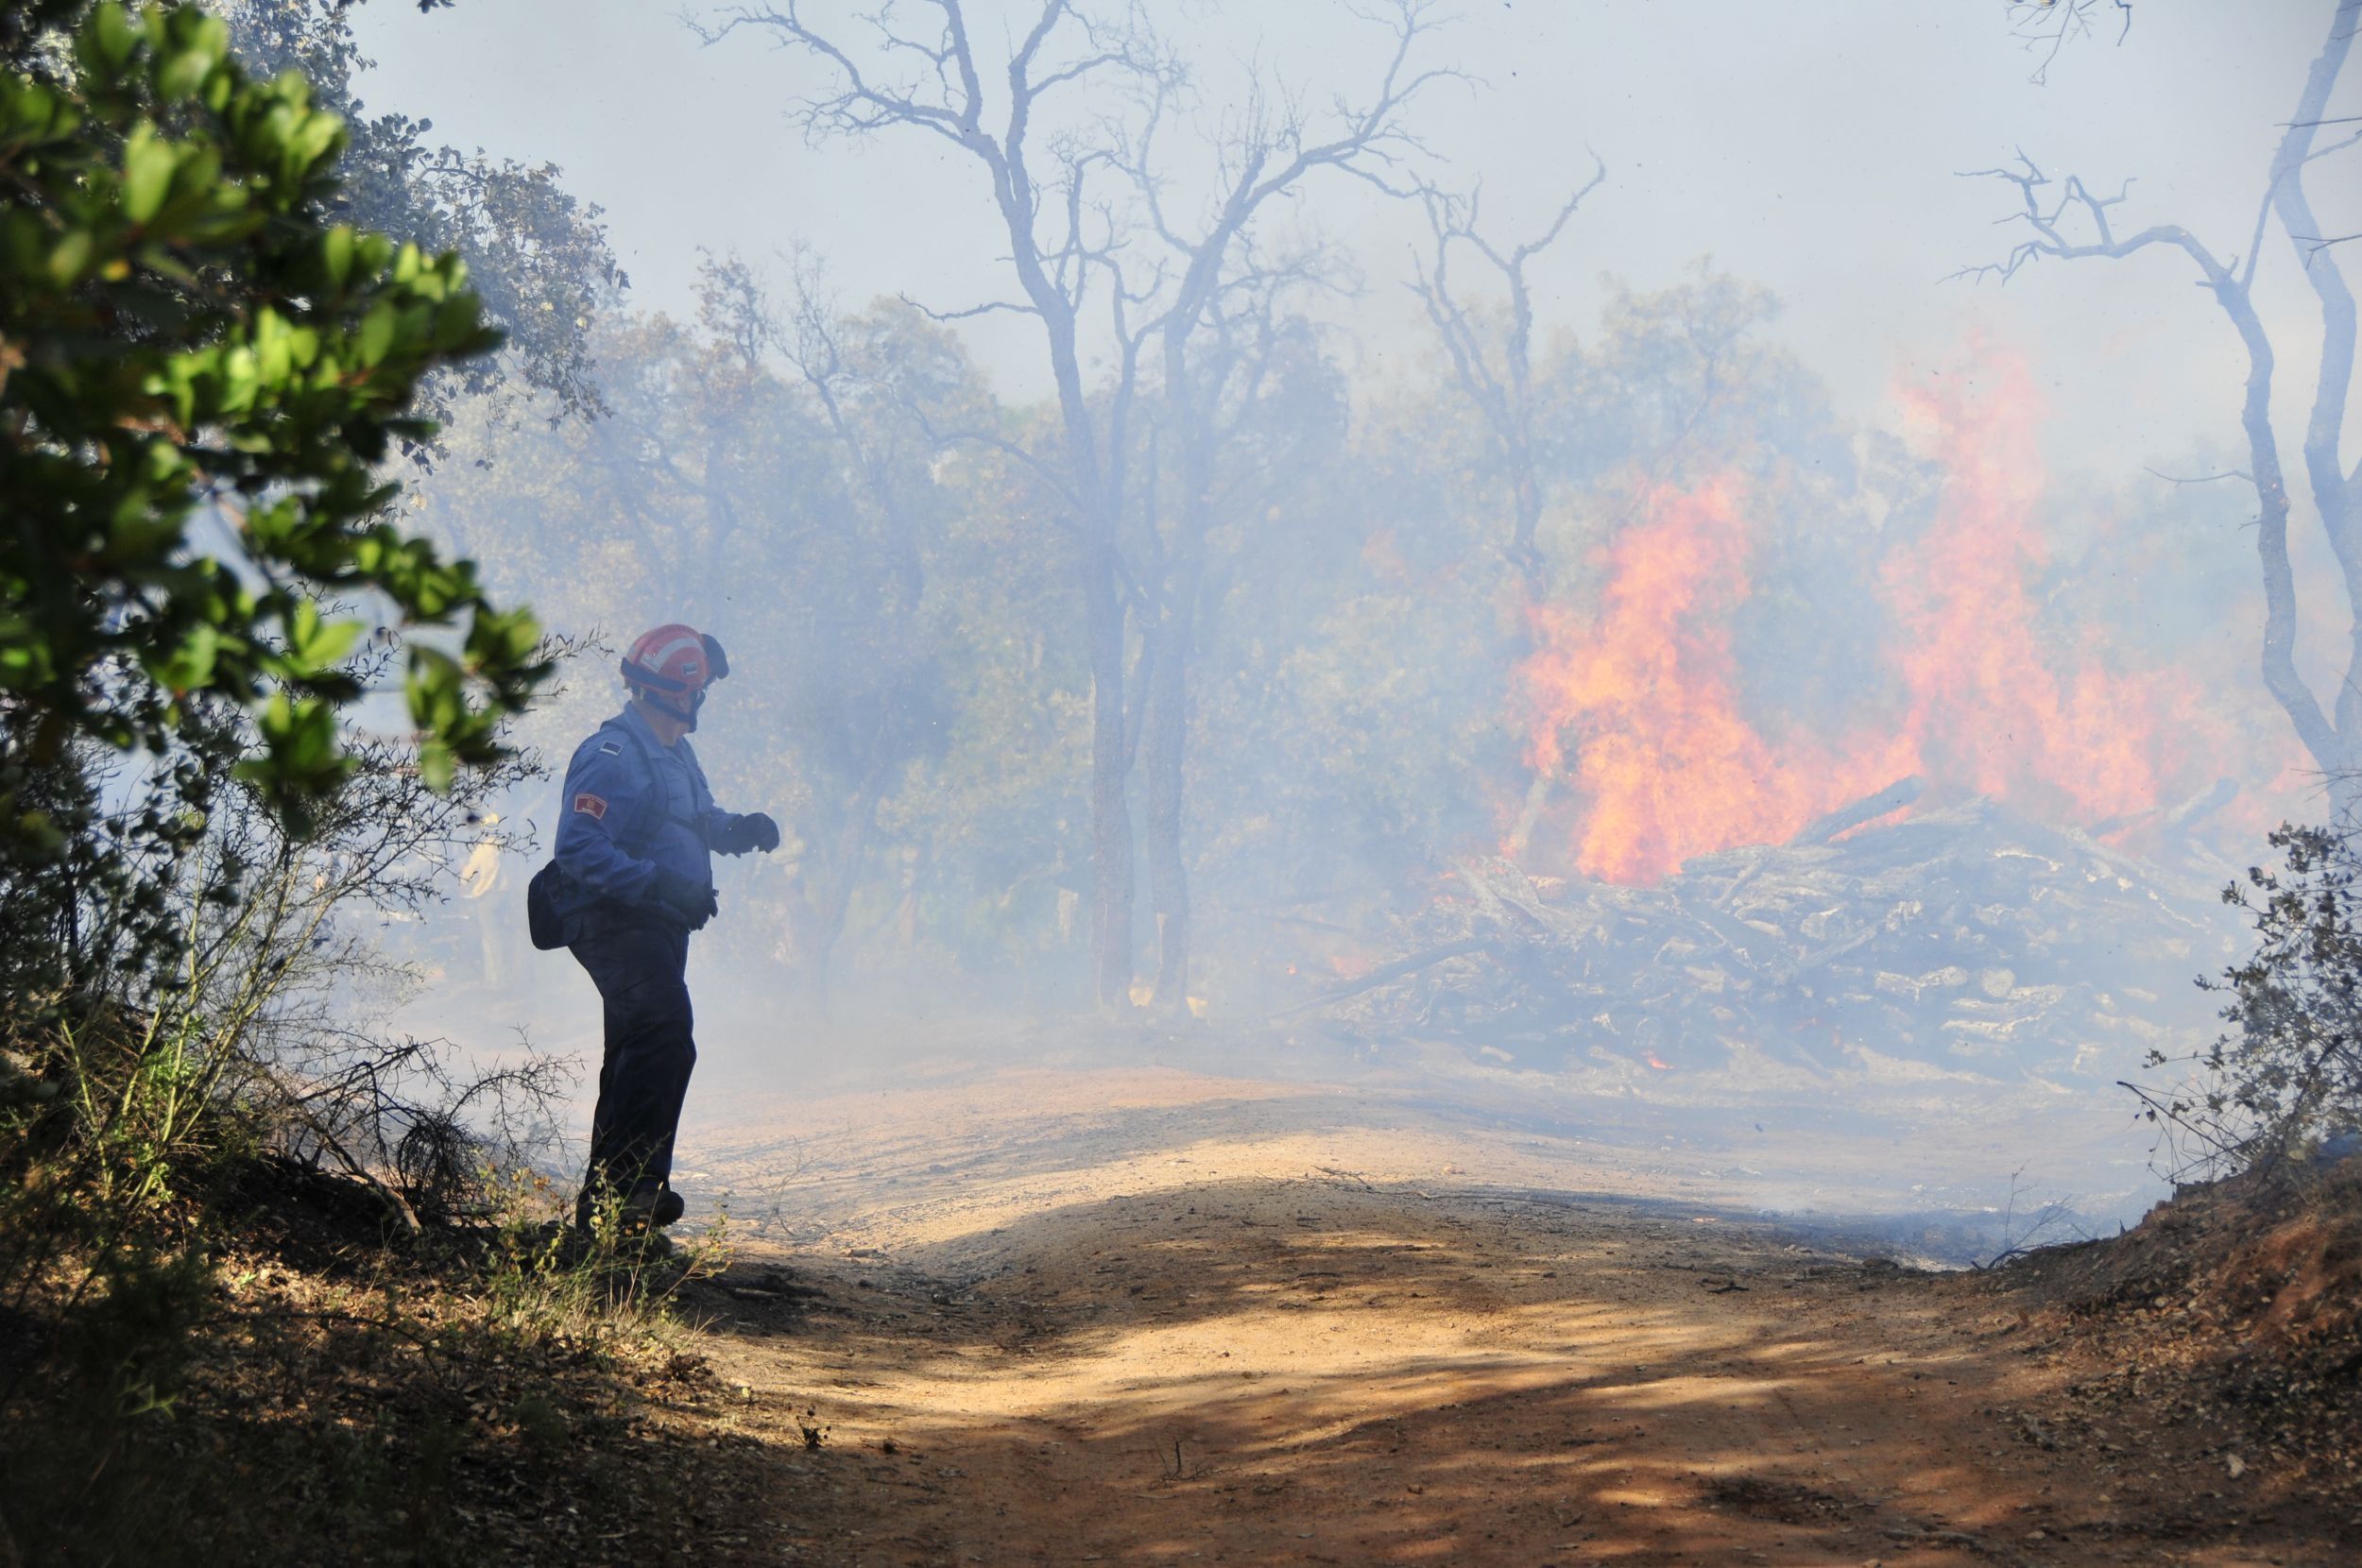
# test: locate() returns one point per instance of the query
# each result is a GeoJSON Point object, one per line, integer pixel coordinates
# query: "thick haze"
{"type": "Point", "coordinates": [1904, 537]}
{"type": "Point", "coordinates": [1810, 149]}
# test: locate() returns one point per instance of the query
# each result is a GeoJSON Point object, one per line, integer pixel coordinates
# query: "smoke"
{"type": "Point", "coordinates": [1779, 573]}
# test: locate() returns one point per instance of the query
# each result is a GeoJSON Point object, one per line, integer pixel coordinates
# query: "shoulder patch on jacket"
{"type": "Point", "coordinates": [593, 807]}
{"type": "Point", "coordinates": [610, 749]}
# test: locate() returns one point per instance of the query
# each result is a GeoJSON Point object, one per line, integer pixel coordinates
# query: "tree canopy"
{"type": "Point", "coordinates": [204, 372]}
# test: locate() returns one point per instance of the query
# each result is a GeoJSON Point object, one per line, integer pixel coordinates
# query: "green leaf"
{"type": "Point", "coordinates": [189, 667]}
{"type": "Point", "coordinates": [181, 72]}
{"type": "Point", "coordinates": [316, 645]}
{"type": "Point", "coordinates": [148, 166]}
{"type": "Point", "coordinates": [111, 38]}
{"type": "Point", "coordinates": [70, 258]}
{"type": "Point", "coordinates": [337, 247]}
{"type": "Point", "coordinates": [378, 331]}
{"type": "Point", "coordinates": [438, 704]}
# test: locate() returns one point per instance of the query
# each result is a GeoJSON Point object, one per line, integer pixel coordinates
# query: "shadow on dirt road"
{"type": "Point", "coordinates": [1160, 1330]}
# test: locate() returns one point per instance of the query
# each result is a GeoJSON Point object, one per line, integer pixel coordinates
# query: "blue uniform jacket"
{"type": "Point", "coordinates": [632, 805]}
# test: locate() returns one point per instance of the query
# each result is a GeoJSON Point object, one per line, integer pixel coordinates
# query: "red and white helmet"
{"type": "Point", "coordinates": [671, 667]}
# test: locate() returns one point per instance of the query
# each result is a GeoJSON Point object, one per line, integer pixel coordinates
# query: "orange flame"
{"type": "Point", "coordinates": [1669, 766]}
{"type": "Point", "coordinates": [1991, 709]}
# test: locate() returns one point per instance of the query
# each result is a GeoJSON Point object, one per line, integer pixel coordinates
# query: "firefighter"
{"type": "Point", "coordinates": [634, 877]}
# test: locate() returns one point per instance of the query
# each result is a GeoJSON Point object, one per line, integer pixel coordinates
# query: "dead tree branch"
{"type": "Point", "coordinates": [2079, 223]}
{"type": "Point", "coordinates": [2046, 26]}
{"type": "Point", "coordinates": [1496, 376]}
{"type": "Point", "coordinates": [1273, 150]}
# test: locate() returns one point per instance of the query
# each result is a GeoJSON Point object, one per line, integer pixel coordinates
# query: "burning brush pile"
{"type": "Point", "coordinates": [1963, 937]}
{"type": "Point", "coordinates": [1739, 882]}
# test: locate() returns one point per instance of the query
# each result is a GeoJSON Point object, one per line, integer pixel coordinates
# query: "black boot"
{"type": "Point", "coordinates": [642, 1210]}
{"type": "Point", "coordinates": [652, 1209]}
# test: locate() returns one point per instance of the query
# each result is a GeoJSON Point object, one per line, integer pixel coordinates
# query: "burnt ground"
{"type": "Point", "coordinates": [1144, 1317]}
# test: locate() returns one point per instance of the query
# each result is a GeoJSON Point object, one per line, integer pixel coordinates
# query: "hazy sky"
{"type": "Point", "coordinates": [1811, 148]}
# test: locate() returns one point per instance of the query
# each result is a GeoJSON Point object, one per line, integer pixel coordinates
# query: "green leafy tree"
{"type": "Point", "coordinates": [203, 373]}
{"type": "Point", "coordinates": [536, 256]}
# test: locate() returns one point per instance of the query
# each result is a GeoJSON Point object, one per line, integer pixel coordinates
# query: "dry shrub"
{"type": "Point", "coordinates": [2285, 1083]}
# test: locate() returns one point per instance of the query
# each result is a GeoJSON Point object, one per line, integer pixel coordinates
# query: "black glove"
{"type": "Point", "coordinates": [755, 830]}
{"type": "Point", "coordinates": [692, 903]}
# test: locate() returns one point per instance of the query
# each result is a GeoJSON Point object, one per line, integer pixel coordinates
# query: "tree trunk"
{"type": "Point", "coordinates": [1112, 888]}
{"type": "Point", "coordinates": [2330, 736]}
{"type": "Point", "coordinates": [2332, 489]}
{"type": "Point", "coordinates": [1167, 749]}
{"type": "Point", "coordinates": [1168, 697]}
{"type": "Point", "coordinates": [1525, 551]}
{"type": "Point", "coordinates": [828, 914]}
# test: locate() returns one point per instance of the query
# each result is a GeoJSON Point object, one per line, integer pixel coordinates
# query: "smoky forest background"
{"type": "Point", "coordinates": [1285, 609]}
{"type": "Point", "coordinates": [1586, 695]}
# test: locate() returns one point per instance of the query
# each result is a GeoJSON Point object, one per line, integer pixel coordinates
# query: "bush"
{"type": "Point", "coordinates": [203, 378]}
{"type": "Point", "coordinates": [2287, 1078]}
{"type": "Point", "coordinates": [137, 1076]}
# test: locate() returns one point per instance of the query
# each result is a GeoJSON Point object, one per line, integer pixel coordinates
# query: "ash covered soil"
{"type": "Point", "coordinates": [1134, 1313]}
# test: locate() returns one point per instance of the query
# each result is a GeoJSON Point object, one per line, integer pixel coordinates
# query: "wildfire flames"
{"type": "Point", "coordinates": [1636, 704]}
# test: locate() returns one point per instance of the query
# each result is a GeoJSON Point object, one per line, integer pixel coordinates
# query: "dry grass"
{"type": "Point", "coordinates": [346, 1397]}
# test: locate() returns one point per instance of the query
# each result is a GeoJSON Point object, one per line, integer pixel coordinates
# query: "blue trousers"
{"type": "Point", "coordinates": [643, 1076]}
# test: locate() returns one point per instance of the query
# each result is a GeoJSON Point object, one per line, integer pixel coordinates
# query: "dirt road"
{"type": "Point", "coordinates": [1146, 1317]}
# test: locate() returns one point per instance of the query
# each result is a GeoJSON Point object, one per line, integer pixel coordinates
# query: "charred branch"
{"type": "Point", "coordinates": [1869, 809]}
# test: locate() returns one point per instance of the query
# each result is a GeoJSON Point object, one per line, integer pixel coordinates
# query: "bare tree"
{"type": "Point", "coordinates": [1497, 376]}
{"type": "Point", "coordinates": [2046, 27]}
{"type": "Point", "coordinates": [1234, 356]}
{"type": "Point", "coordinates": [1070, 202]}
{"type": "Point", "coordinates": [1214, 338]}
{"type": "Point", "coordinates": [874, 424]}
{"type": "Point", "coordinates": [1065, 250]}
{"type": "Point", "coordinates": [2079, 223]}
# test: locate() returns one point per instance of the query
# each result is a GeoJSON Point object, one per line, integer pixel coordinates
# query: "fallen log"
{"type": "Point", "coordinates": [1892, 799]}
{"type": "Point", "coordinates": [2184, 816]}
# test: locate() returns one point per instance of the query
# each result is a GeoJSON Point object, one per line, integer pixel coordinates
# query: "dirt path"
{"type": "Point", "coordinates": [1148, 1319]}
